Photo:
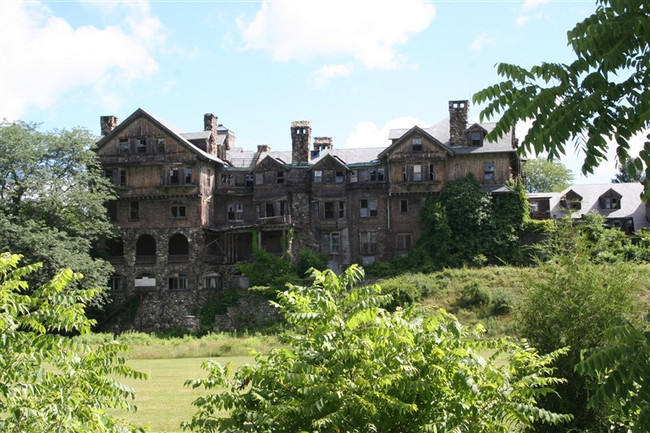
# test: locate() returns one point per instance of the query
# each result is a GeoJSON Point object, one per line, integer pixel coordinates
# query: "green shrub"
{"type": "Point", "coordinates": [307, 259]}
{"type": "Point", "coordinates": [474, 294]}
{"type": "Point", "coordinates": [503, 301]}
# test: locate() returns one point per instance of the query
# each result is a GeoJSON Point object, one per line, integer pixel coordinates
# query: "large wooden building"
{"type": "Point", "coordinates": [192, 204]}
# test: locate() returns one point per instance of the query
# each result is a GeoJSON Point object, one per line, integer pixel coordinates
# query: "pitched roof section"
{"type": "Point", "coordinates": [167, 127]}
{"type": "Point", "coordinates": [410, 132]}
{"type": "Point", "coordinates": [631, 203]}
{"type": "Point", "coordinates": [440, 131]}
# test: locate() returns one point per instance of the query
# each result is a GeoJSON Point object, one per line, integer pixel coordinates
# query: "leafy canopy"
{"type": "Point", "coordinates": [48, 381]}
{"type": "Point", "coordinates": [583, 286]}
{"type": "Point", "coordinates": [541, 175]}
{"type": "Point", "coordinates": [350, 366]}
{"type": "Point", "coordinates": [52, 197]}
{"type": "Point", "coordinates": [603, 94]}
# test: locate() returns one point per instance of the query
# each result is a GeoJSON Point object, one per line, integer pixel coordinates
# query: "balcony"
{"type": "Point", "coordinates": [275, 220]}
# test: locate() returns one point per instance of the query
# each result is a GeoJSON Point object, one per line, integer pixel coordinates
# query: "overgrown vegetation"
{"type": "Point", "coordinates": [350, 366]}
{"type": "Point", "coordinates": [50, 382]}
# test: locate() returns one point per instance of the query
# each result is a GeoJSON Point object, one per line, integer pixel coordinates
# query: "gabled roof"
{"type": "Point", "coordinates": [476, 126]}
{"type": "Point", "coordinates": [416, 130]}
{"type": "Point", "coordinates": [168, 128]}
{"type": "Point", "coordinates": [273, 161]}
{"type": "Point", "coordinates": [440, 131]}
{"type": "Point", "coordinates": [329, 157]}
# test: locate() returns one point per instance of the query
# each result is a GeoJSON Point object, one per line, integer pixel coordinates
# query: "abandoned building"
{"type": "Point", "coordinates": [192, 204]}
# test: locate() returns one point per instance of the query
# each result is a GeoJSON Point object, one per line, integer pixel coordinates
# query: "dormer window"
{"type": "Point", "coordinates": [571, 201]}
{"type": "Point", "coordinates": [610, 200]}
{"type": "Point", "coordinates": [476, 139]}
{"type": "Point", "coordinates": [417, 144]}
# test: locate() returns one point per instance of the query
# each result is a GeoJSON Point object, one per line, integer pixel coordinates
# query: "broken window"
{"type": "Point", "coordinates": [368, 242]}
{"type": "Point", "coordinates": [488, 171]}
{"type": "Point", "coordinates": [339, 178]}
{"type": "Point", "coordinates": [318, 176]}
{"type": "Point", "coordinates": [141, 145]}
{"type": "Point", "coordinates": [211, 281]}
{"type": "Point", "coordinates": [124, 145]}
{"type": "Point", "coordinates": [178, 282]}
{"type": "Point", "coordinates": [331, 243]}
{"type": "Point", "coordinates": [476, 139]}
{"type": "Point", "coordinates": [235, 212]}
{"type": "Point", "coordinates": [188, 175]}
{"type": "Point", "coordinates": [341, 209]}
{"type": "Point", "coordinates": [160, 145]}
{"type": "Point", "coordinates": [178, 210]}
{"type": "Point", "coordinates": [134, 210]}
{"type": "Point", "coordinates": [416, 143]}
{"type": "Point", "coordinates": [117, 283]}
{"type": "Point", "coordinates": [174, 178]}
{"type": "Point", "coordinates": [403, 241]}
{"type": "Point", "coordinates": [328, 207]}
{"type": "Point", "coordinates": [417, 173]}
{"type": "Point", "coordinates": [279, 177]}
{"type": "Point", "coordinates": [368, 208]}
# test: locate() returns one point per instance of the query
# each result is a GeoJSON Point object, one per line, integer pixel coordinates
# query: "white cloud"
{"type": "Point", "coordinates": [44, 57]}
{"type": "Point", "coordinates": [527, 8]}
{"type": "Point", "coordinates": [367, 134]}
{"type": "Point", "coordinates": [481, 40]}
{"type": "Point", "coordinates": [368, 31]}
{"type": "Point", "coordinates": [327, 72]}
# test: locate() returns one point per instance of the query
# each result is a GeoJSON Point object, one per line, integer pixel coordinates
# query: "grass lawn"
{"type": "Point", "coordinates": [163, 402]}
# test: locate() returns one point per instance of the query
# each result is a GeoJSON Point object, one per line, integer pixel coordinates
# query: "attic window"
{"type": "Point", "coordinates": [417, 144]}
{"type": "Point", "coordinates": [124, 145]}
{"type": "Point", "coordinates": [610, 202]}
{"type": "Point", "coordinates": [142, 145]}
{"type": "Point", "coordinates": [476, 139]}
{"type": "Point", "coordinates": [279, 177]}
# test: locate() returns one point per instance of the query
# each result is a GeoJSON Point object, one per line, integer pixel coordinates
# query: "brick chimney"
{"type": "Point", "coordinates": [108, 123]}
{"type": "Point", "coordinates": [300, 141]}
{"type": "Point", "coordinates": [458, 122]}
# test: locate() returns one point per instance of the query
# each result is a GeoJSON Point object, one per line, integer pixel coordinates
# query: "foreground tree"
{"type": "Point", "coordinates": [603, 94]}
{"type": "Point", "coordinates": [542, 175]}
{"type": "Point", "coordinates": [52, 197]}
{"type": "Point", "coordinates": [582, 287]}
{"type": "Point", "coordinates": [49, 382]}
{"type": "Point", "coordinates": [349, 366]}
{"type": "Point", "coordinates": [622, 366]}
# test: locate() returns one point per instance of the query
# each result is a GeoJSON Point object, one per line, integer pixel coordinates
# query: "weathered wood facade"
{"type": "Point", "coordinates": [191, 204]}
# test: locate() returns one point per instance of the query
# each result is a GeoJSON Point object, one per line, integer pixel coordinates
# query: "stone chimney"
{"type": "Point", "coordinates": [300, 141]}
{"type": "Point", "coordinates": [458, 122]}
{"type": "Point", "coordinates": [108, 123]}
{"type": "Point", "coordinates": [322, 143]}
{"type": "Point", "coordinates": [210, 123]}
{"type": "Point", "coordinates": [261, 148]}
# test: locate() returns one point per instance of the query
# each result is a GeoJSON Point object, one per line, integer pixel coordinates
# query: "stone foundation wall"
{"type": "Point", "coordinates": [251, 311]}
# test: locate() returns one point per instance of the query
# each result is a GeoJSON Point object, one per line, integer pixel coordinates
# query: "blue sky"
{"type": "Point", "coordinates": [353, 68]}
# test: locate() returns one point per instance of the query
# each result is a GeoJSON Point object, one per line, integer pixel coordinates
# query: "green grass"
{"type": "Point", "coordinates": [163, 401]}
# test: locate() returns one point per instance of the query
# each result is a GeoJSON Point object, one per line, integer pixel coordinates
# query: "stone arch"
{"type": "Point", "coordinates": [179, 248]}
{"type": "Point", "coordinates": [145, 250]}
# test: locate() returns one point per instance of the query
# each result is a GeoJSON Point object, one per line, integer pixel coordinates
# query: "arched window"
{"type": "Point", "coordinates": [145, 250]}
{"type": "Point", "coordinates": [211, 281]}
{"type": "Point", "coordinates": [179, 248]}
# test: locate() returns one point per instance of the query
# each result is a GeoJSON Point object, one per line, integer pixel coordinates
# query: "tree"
{"type": "Point", "coordinates": [603, 94]}
{"type": "Point", "coordinates": [541, 175]}
{"type": "Point", "coordinates": [622, 365]}
{"type": "Point", "coordinates": [52, 200]}
{"type": "Point", "coordinates": [623, 176]}
{"type": "Point", "coordinates": [50, 382]}
{"type": "Point", "coordinates": [349, 366]}
{"type": "Point", "coordinates": [575, 295]}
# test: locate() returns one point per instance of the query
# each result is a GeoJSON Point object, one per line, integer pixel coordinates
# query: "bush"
{"type": "Point", "coordinates": [407, 289]}
{"type": "Point", "coordinates": [307, 259]}
{"type": "Point", "coordinates": [350, 366]}
{"type": "Point", "coordinates": [503, 301]}
{"type": "Point", "coordinates": [475, 295]}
